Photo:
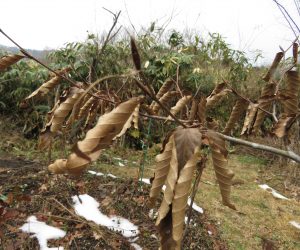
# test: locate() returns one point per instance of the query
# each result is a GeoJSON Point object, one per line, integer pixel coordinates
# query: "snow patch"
{"type": "Point", "coordinates": [273, 192]}
{"type": "Point", "coordinates": [121, 164]}
{"type": "Point", "coordinates": [112, 176]}
{"type": "Point", "coordinates": [42, 232]}
{"type": "Point", "coordinates": [90, 211]}
{"type": "Point", "coordinates": [195, 206]}
{"type": "Point", "coordinates": [147, 181]}
{"type": "Point", "coordinates": [95, 173]}
{"type": "Point", "coordinates": [295, 224]}
{"type": "Point", "coordinates": [101, 174]}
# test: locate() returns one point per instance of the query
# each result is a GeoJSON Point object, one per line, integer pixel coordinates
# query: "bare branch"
{"type": "Point", "coordinates": [289, 154]}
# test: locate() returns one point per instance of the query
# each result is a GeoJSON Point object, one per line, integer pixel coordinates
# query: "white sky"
{"type": "Point", "coordinates": [247, 24]}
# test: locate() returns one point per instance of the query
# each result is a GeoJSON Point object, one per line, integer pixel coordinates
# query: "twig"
{"type": "Point", "coordinates": [47, 67]}
{"type": "Point", "coordinates": [282, 8]}
{"type": "Point", "coordinates": [289, 154]}
{"type": "Point", "coordinates": [108, 37]}
{"type": "Point", "coordinates": [194, 191]}
{"type": "Point", "coordinates": [162, 118]}
{"type": "Point", "coordinates": [246, 99]}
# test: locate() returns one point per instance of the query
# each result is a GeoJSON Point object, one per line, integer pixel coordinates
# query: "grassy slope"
{"type": "Point", "coordinates": [260, 214]}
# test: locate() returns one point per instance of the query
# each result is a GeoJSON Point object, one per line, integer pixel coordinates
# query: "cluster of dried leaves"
{"type": "Point", "coordinates": [181, 153]}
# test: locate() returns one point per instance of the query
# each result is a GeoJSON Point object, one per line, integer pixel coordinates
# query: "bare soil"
{"type": "Point", "coordinates": [26, 189]}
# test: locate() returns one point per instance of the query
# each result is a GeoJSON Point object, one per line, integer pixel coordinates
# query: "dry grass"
{"type": "Point", "coordinates": [260, 215]}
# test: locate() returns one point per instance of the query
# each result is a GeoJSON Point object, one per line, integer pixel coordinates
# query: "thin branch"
{"type": "Point", "coordinates": [73, 83]}
{"type": "Point", "coordinates": [289, 154]}
{"type": "Point", "coordinates": [289, 16]}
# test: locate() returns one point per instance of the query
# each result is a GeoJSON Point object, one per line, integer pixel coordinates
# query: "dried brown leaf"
{"type": "Point", "coordinates": [182, 191]}
{"type": "Point", "coordinates": [264, 102]}
{"type": "Point", "coordinates": [161, 170]}
{"type": "Point", "coordinates": [49, 85]}
{"type": "Point", "coordinates": [167, 85]}
{"type": "Point", "coordinates": [219, 157]}
{"type": "Point", "coordinates": [284, 123]}
{"type": "Point", "coordinates": [164, 100]}
{"type": "Point", "coordinates": [101, 136]}
{"type": "Point", "coordinates": [135, 54]}
{"type": "Point", "coordinates": [249, 118]}
{"type": "Point", "coordinates": [217, 94]}
{"type": "Point", "coordinates": [58, 167]}
{"type": "Point", "coordinates": [270, 74]}
{"type": "Point", "coordinates": [186, 140]}
{"type": "Point", "coordinates": [202, 111]}
{"type": "Point", "coordinates": [238, 110]}
{"type": "Point", "coordinates": [295, 52]}
{"type": "Point", "coordinates": [9, 60]}
{"type": "Point", "coordinates": [92, 114]}
{"type": "Point", "coordinates": [181, 103]}
{"type": "Point", "coordinates": [290, 104]}
{"type": "Point", "coordinates": [64, 109]}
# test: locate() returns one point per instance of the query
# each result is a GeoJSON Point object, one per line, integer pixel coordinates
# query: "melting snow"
{"type": "Point", "coordinates": [95, 173]}
{"type": "Point", "coordinates": [147, 181]}
{"type": "Point", "coordinates": [273, 192]}
{"type": "Point", "coordinates": [121, 164]}
{"type": "Point", "coordinates": [101, 174]}
{"type": "Point", "coordinates": [42, 232]}
{"type": "Point", "coordinates": [195, 206]}
{"type": "Point", "coordinates": [112, 176]}
{"type": "Point", "coordinates": [295, 224]}
{"type": "Point", "coordinates": [90, 211]}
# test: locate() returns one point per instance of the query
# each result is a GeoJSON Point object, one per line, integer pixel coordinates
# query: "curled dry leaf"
{"type": "Point", "coordinates": [270, 74]}
{"type": "Point", "coordinates": [217, 94]}
{"type": "Point", "coordinates": [219, 157]}
{"type": "Point", "coordinates": [295, 52]}
{"type": "Point", "coordinates": [290, 104]}
{"type": "Point", "coordinates": [202, 111]}
{"type": "Point", "coordinates": [175, 168]}
{"type": "Point", "coordinates": [182, 190]}
{"type": "Point", "coordinates": [58, 167]}
{"type": "Point", "coordinates": [167, 85]}
{"type": "Point", "coordinates": [164, 100]}
{"type": "Point", "coordinates": [92, 114]}
{"type": "Point", "coordinates": [135, 54]}
{"type": "Point", "coordinates": [84, 110]}
{"type": "Point", "coordinates": [264, 102]}
{"type": "Point", "coordinates": [132, 119]}
{"type": "Point", "coordinates": [238, 110]}
{"type": "Point", "coordinates": [170, 186]}
{"type": "Point", "coordinates": [249, 118]}
{"type": "Point", "coordinates": [99, 137]}
{"type": "Point", "coordinates": [180, 105]}
{"type": "Point", "coordinates": [9, 60]}
{"type": "Point", "coordinates": [194, 109]}
{"type": "Point", "coordinates": [283, 124]}
{"type": "Point", "coordinates": [49, 85]}
{"type": "Point", "coordinates": [64, 109]}
{"type": "Point", "coordinates": [161, 170]}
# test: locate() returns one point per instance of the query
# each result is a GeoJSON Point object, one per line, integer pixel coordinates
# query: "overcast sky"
{"type": "Point", "coordinates": [247, 25]}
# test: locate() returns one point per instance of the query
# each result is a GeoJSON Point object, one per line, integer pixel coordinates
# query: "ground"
{"type": "Point", "coordinates": [261, 222]}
